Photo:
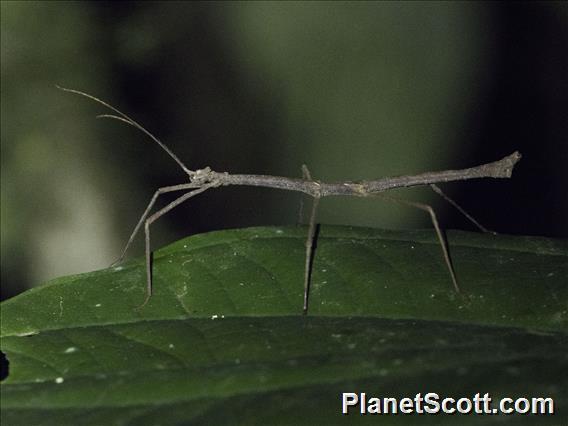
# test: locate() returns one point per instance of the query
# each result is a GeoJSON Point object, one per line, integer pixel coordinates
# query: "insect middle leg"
{"type": "Point", "coordinates": [306, 176]}
{"type": "Point", "coordinates": [310, 244]}
{"type": "Point", "coordinates": [310, 241]}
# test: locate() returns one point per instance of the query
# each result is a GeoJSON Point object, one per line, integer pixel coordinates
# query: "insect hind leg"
{"type": "Point", "coordinates": [443, 243]}
{"type": "Point", "coordinates": [441, 193]}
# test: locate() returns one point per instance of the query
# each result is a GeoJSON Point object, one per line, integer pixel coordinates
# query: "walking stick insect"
{"type": "Point", "coordinates": [203, 179]}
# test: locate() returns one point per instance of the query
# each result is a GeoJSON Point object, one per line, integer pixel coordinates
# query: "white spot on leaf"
{"type": "Point", "coordinates": [27, 333]}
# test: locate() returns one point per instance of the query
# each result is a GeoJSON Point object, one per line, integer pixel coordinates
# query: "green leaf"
{"type": "Point", "coordinates": [223, 340]}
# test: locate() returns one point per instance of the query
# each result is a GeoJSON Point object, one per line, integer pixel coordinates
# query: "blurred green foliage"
{"type": "Point", "coordinates": [354, 90]}
{"type": "Point", "coordinates": [53, 213]}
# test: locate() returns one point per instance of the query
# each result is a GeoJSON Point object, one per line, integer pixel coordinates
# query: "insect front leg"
{"type": "Point", "coordinates": [152, 219]}
{"type": "Point", "coordinates": [159, 191]}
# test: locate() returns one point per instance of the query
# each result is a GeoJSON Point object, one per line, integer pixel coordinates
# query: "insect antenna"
{"type": "Point", "coordinates": [126, 119]}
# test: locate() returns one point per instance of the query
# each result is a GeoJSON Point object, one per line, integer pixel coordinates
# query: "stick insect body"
{"type": "Point", "coordinates": [203, 179]}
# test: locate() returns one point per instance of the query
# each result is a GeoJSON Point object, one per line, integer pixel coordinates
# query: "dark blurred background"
{"type": "Point", "coordinates": [354, 90]}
